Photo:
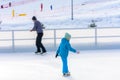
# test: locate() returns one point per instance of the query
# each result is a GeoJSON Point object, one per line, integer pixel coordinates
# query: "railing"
{"type": "Point", "coordinates": [23, 40]}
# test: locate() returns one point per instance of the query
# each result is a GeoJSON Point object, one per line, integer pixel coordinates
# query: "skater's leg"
{"type": "Point", "coordinates": [40, 43]}
{"type": "Point", "coordinates": [43, 48]}
{"type": "Point", "coordinates": [65, 65]}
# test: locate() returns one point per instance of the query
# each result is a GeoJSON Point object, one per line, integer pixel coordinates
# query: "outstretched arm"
{"type": "Point", "coordinates": [34, 28]}
{"type": "Point", "coordinates": [70, 48]}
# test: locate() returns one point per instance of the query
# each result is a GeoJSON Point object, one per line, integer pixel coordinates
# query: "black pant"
{"type": "Point", "coordinates": [39, 45]}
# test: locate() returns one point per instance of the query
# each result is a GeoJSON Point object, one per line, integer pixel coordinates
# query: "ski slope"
{"type": "Point", "coordinates": [88, 65]}
{"type": "Point", "coordinates": [104, 12]}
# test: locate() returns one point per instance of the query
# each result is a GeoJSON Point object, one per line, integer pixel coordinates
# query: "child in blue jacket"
{"type": "Point", "coordinates": [63, 52]}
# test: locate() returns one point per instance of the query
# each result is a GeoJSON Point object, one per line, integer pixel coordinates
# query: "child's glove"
{"type": "Point", "coordinates": [77, 52]}
{"type": "Point", "coordinates": [56, 55]}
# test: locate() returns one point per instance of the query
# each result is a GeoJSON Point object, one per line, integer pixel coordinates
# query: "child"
{"type": "Point", "coordinates": [63, 52]}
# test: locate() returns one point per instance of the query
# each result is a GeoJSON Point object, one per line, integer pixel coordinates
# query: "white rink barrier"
{"type": "Point", "coordinates": [82, 39]}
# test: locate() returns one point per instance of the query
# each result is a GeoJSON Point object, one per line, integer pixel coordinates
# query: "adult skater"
{"type": "Point", "coordinates": [38, 27]}
{"type": "Point", "coordinates": [63, 52]}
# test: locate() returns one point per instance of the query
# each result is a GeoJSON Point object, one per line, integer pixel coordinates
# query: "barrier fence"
{"type": "Point", "coordinates": [82, 38]}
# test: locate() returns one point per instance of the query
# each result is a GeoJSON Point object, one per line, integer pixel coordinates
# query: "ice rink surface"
{"type": "Point", "coordinates": [88, 65]}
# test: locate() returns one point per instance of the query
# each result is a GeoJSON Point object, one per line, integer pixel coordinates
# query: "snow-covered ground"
{"type": "Point", "coordinates": [104, 12]}
{"type": "Point", "coordinates": [88, 65]}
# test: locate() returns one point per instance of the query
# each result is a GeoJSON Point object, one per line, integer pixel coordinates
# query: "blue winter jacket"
{"type": "Point", "coordinates": [64, 48]}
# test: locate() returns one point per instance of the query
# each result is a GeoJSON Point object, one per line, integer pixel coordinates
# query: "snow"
{"type": "Point", "coordinates": [104, 12]}
{"type": "Point", "coordinates": [88, 65]}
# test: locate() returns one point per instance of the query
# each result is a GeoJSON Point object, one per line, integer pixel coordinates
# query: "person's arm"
{"type": "Point", "coordinates": [42, 25]}
{"type": "Point", "coordinates": [57, 52]}
{"type": "Point", "coordinates": [70, 48]}
{"type": "Point", "coordinates": [34, 28]}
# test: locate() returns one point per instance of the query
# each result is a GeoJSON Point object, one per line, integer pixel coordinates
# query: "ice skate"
{"type": "Point", "coordinates": [37, 52]}
{"type": "Point", "coordinates": [43, 53]}
{"type": "Point", "coordinates": [66, 74]}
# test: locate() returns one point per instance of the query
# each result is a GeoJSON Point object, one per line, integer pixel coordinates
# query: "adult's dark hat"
{"type": "Point", "coordinates": [34, 18]}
